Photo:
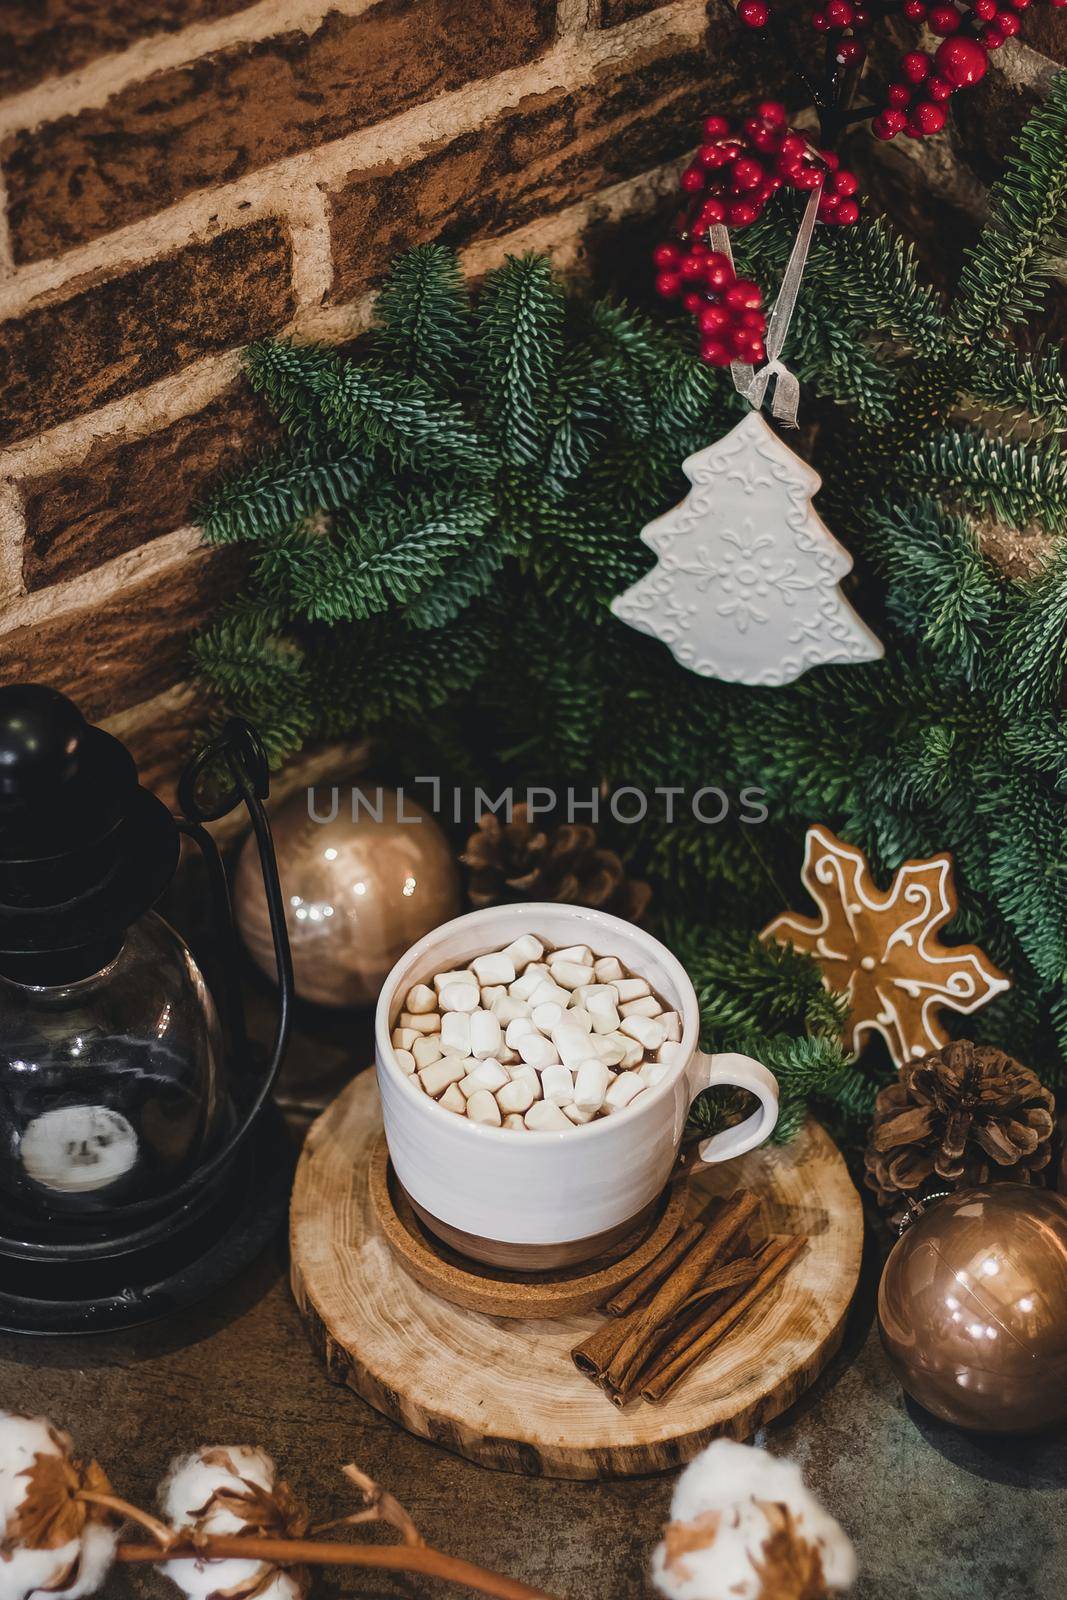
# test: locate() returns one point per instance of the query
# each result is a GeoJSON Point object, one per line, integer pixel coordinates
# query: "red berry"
{"type": "Point", "coordinates": [944, 19]}
{"type": "Point", "coordinates": [961, 61]}
{"type": "Point", "coordinates": [806, 177]}
{"type": "Point", "coordinates": [755, 321]}
{"type": "Point", "coordinates": [927, 117]}
{"type": "Point", "coordinates": [754, 13]}
{"type": "Point", "coordinates": [990, 36]}
{"type": "Point", "coordinates": [693, 302]}
{"type": "Point", "coordinates": [985, 10]}
{"type": "Point", "coordinates": [718, 272]}
{"type": "Point", "coordinates": [1007, 23]}
{"type": "Point", "coordinates": [692, 180]}
{"type": "Point", "coordinates": [820, 22]}
{"type": "Point", "coordinates": [887, 124]}
{"type": "Point", "coordinates": [744, 295]}
{"type": "Point", "coordinates": [850, 52]}
{"type": "Point", "coordinates": [666, 256]}
{"type": "Point", "coordinates": [1019, 5]}
{"type": "Point", "coordinates": [794, 144]}
{"type": "Point", "coordinates": [715, 155]}
{"type": "Point", "coordinates": [692, 268]}
{"type": "Point", "coordinates": [861, 18]}
{"type": "Point", "coordinates": [898, 94]}
{"type": "Point", "coordinates": [828, 205]}
{"type": "Point", "coordinates": [845, 183]}
{"type": "Point", "coordinates": [915, 66]}
{"type": "Point", "coordinates": [711, 211]}
{"type": "Point", "coordinates": [715, 352]}
{"type": "Point", "coordinates": [713, 319]}
{"type": "Point", "coordinates": [747, 173]}
{"type": "Point", "coordinates": [838, 13]}
{"type": "Point", "coordinates": [915, 10]}
{"type": "Point", "coordinates": [772, 112]}
{"type": "Point", "coordinates": [741, 213]}
{"type": "Point", "coordinates": [847, 212]}
{"type": "Point", "coordinates": [937, 88]}
{"type": "Point", "coordinates": [716, 127]}
{"type": "Point", "coordinates": [668, 284]}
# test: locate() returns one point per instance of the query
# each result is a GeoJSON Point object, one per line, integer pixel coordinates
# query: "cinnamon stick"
{"type": "Point", "coordinates": [653, 1275]}
{"type": "Point", "coordinates": [690, 1271]}
{"type": "Point", "coordinates": [595, 1354]}
{"type": "Point", "coordinates": [665, 1371]}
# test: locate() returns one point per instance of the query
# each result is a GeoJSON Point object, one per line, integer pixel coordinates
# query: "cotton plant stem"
{"type": "Point", "coordinates": [310, 1553]}
{"type": "Point", "coordinates": [687, 1276]}
{"type": "Point", "coordinates": [123, 1508]}
{"type": "Point", "coordinates": [656, 1386]}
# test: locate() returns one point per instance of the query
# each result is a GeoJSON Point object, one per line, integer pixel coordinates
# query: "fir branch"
{"type": "Point", "coordinates": [519, 347]}
{"type": "Point", "coordinates": [1019, 483]}
{"type": "Point", "coordinates": [424, 316]}
{"type": "Point", "coordinates": [1006, 272]}
{"type": "Point", "coordinates": [280, 491]}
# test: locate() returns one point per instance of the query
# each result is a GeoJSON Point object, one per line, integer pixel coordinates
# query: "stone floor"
{"type": "Point", "coordinates": [935, 1515]}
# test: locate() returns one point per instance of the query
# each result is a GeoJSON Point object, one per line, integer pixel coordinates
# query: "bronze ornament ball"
{"type": "Point", "coordinates": [972, 1308]}
{"type": "Point", "coordinates": [358, 891]}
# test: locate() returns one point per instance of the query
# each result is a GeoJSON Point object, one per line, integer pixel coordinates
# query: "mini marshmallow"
{"type": "Point", "coordinates": [571, 1042]}
{"type": "Point", "coordinates": [575, 1114]}
{"type": "Point", "coordinates": [536, 1051]}
{"type": "Point", "coordinates": [631, 988]}
{"type": "Point", "coordinates": [514, 1121]}
{"type": "Point", "coordinates": [653, 1072]}
{"type": "Point", "coordinates": [645, 1005]}
{"type": "Point", "coordinates": [591, 1084]}
{"type": "Point", "coordinates": [486, 1075]}
{"type": "Point", "coordinates": [456, 1032]}
{"type": "Point", "coordinates": [669, 1052]}
{"type": "Point", "coordinates": [517, 1029]}
{"type": "Point", "coordinates": [524, 950]}
{"type": "Point", "coordinates": [579, 1016]}
{"type": "Point", "coordinates": [627, 1087]}
{"type": "Point", "coordinates": [428, 1022]}
{"type": "Point", "coordinates": [453, 1100]}
{"type": "Point", "coordinates": [492, 994]}
{"type": "Point", "coordinates": [557, 1083]}
{"type": "Point", "coordinates": [648, 1031]}
{"type": "Point", "coordinates": [546, 1016]}
{"type": "Point", "coordinates": [579, 955]}
{"type": "Point", "coordinates": [506, 1055]}
{"type": "Point", "coordinates": [496, 967]}
{"type": "Point", "coordinates": [485, 1034]}
{"type": "Point", "coordinates": [515, 1097]}
{"type": "Point", "coordinates": [608, 969]}
{"type": "Point", "coordinates": [442, 979]}
{"type": "Point", "coordinates": [529, 1076]}
{"type": "Point", "coordinates": [634, 1052]}
{"type": "Point", "coordinates": [420, 999]}
{"type": "Point", "coordinates": [546, 1117]}
{"type": "Point", "coordinates": [571, 974]}
{"type": "Point", "coordinates": [427, 1049]}
{"type": "Point", "coordinates": [435, 1079]}
{"type": "Point", "coordinates": [611, 1048]}
{"type": "Point", "coordinates": [603, 1012]}
{"type": "Point", "coordinates": [403, 1038]}
{"type": "Point", "coordinates": [548, 993]}
{"type": "Point", "coordinates": [405, 1061]}
{"type": "Point", "coordinates": [460, 997]}
{"type": "Point", "coordinates": [482, 1107]}
{"type": "Point", "coordinates": [673, 1024]}
{"type": "Point", "coordinates": [524, 987]}
{"type": "Point", "coordinates": [508, 1009]}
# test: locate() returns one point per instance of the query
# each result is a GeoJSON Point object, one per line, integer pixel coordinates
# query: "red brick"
{"type": "Point", "coordinates": [550, 151]}
{"type": "Point", "coordinates": [613, 12]}
{"type": "Point", "coordinates": [126, 648]}
{"type": "Point", "coordinates": [115, 335]}
{"type": "Point", "coordinates": [129, 491]}
{"type": "Point", "coordinates": [41, 38]}
{"type": "Point", "coordinates": [240, 108]}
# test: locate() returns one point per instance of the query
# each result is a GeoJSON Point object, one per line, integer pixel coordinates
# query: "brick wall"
{"type": "Point", "coordinates": [180, 176]}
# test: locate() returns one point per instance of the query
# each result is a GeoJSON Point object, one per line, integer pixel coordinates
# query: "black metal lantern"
{"type": "Point", "coordinates": [141, 1159]}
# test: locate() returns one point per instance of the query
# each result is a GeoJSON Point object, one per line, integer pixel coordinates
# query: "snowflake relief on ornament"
{"type": "Point", "coordinates": [745, 587]}
{"type": "Point", "coordinates": [882, 949]}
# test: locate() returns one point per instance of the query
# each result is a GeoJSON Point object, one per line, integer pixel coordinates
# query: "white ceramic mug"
{"type": "Point", "coordinates": [522, 1199]}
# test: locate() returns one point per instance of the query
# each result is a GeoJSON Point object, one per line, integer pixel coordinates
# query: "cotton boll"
{"type": "Point", "coordinates": [76, 1566]}
{"type": "Point", "coordinates": [732, 1507]}
{"type": "Point", "coordinates": [230, 1489]}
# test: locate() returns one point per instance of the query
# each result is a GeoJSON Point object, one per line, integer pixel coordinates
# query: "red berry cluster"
{"type": "Point", "coordinates": [915, 100]}
{"type": "Point", "coordinates": [728, 309]}
{"type": "Point", "coordinates": [739, 167]}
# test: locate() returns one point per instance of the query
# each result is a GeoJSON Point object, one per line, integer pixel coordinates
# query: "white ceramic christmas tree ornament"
{"type": "Point", "coordinates": [746, 584]}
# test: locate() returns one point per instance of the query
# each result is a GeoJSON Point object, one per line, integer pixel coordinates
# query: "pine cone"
{"type": "Point", "coordinates": [518, 860]}
{"type": "Point", "coordinates": [959, 1116]}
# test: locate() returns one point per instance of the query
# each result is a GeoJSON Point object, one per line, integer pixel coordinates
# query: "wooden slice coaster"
{"type": "Point", "coordinates": [499, 1293]}
{"type": "Point", "coordinates": [504, 1392]}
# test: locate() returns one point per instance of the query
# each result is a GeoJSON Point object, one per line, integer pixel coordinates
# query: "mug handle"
{"type": "Point", "coordinates": [706, 1072]}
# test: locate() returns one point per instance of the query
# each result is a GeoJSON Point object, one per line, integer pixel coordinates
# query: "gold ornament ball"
{"type": "Point", "coordinates": [972, 1308]}
{"type": "Point", "coordinates": [357, 890]}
